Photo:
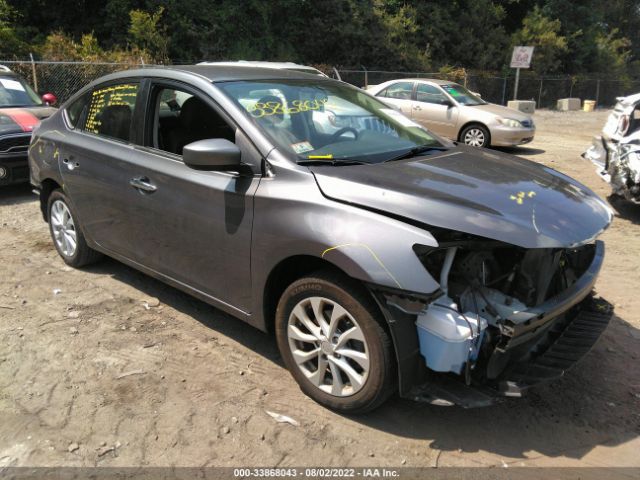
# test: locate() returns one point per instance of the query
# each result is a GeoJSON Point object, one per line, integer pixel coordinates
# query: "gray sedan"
{"type": "Point", "coordinates": [452, 111]}
{"type": "Point", "coordinates": [382, 257]}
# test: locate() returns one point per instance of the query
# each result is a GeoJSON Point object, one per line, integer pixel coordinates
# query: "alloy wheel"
{"type": "Point", "coordinates": [63, 228]}
{"type": "Point", "coordinates": [328, 346]}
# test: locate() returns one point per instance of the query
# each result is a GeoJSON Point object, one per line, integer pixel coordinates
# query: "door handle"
{"type": "Point", "coordinates": [143, 184]}
{"type": "Point", "coordinates": [417, 107]}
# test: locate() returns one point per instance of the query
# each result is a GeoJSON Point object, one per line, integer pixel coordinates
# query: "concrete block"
{"type": "Point", "coordinates": [569, 104]}
{"type": "Point", "coordinates": [526, 106]}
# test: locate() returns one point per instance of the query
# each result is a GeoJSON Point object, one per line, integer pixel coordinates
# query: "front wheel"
{"type": "Point", "coordinates": [475, 136]}
{"type": "Point", "coordinates": [331, 338]}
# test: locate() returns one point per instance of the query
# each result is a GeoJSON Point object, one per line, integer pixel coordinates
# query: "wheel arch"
{"type": "Point", "coordinates": [284, 274]}
{"type": "Point", "coordinates": [474, 122]}
{"type": "Point", "coordinates": [48, 185]}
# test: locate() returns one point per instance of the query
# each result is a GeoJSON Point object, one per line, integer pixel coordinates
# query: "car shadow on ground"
{"type": "Point", "coordinates": [569, 417]}
{"type": "Point", "coordinates": [16, 194]}
{"type": "Point", "coordinates": [566, 418]}
{"type": "Point", "coordinates": [211, 317]}
{"type": "Point", "coordinates": [524, 151]}
{"type": "Point", "coordinates": [625, 209]}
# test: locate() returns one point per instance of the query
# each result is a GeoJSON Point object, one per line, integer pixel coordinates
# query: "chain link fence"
{"type": "Point", "coordinates": [65, 78]}
{"type": "Point", "coordinates": [544, 90]}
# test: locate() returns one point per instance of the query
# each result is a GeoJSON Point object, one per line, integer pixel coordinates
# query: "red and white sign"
{"type": "Point", "coordinates": [521, 57]}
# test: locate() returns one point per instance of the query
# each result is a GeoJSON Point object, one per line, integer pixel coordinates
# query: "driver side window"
{"type": "Point", "coordinates": [430, 94]}
{"type": "Point", "coordinates": [180, 118]}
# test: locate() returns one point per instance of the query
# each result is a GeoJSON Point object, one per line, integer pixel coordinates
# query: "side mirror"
{"type": "Point", "coordinates": [212, 154]}
{"type": "Point", "coordinates": [49, 98]}
{"type": "Point", "coordinates": [447, 103]}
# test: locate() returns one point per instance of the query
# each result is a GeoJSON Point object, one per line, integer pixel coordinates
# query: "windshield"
{"type": "Point", "coordinates": [462, 95]}
{"type": "Point", "coordinates": [15, 92]}
{"type": "Point", "coordinates": [323, 120]}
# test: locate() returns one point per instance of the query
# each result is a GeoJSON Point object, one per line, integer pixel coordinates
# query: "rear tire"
{"type": "Point", "coordinates": [66, 233]}
{"type": "Point", "coordinates": [476, 135]}
{"type": "Point", "coordinates": [331, 338]}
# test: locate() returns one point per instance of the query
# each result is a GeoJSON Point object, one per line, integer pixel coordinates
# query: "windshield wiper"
{"type": "Point", "coordinates": [418, 150]}
{"type": "Point", "coordinates": [334, 163]}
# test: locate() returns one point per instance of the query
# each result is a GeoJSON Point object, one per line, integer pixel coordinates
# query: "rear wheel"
{"type": "Point", "coordinates": [330, 335]}
{"type": "Point", "coordinates": [475, 136]}
{"type": "Point", "coordinates": [66, 233]}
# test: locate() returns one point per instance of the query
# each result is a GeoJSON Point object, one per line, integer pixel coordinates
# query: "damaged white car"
{"type": "Point", "coordinates": [616, 153]}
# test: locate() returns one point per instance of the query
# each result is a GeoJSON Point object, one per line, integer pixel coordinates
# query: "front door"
{"type": "Point", "coordinates": [193, 226]}
{"type": "Point", "coordinates": [433, 109]}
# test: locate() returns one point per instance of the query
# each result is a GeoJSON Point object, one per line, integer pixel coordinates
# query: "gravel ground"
{"type": "Point", "coordinates": [105, 366]}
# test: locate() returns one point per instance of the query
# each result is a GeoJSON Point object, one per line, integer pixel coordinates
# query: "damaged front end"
{"type": "Point", "coordinates": [507, 318]}
{"type": "Point", "coordinates": [623, 170]}
{"type": "Point", "coordinates": [616, 152]}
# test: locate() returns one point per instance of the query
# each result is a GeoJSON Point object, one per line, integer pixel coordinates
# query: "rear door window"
{"type": "Point", "coordinates": [111, 110]}
{"type": "Point", "coordinates": [399, 91]}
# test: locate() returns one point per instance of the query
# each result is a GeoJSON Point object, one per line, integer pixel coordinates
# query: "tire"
{"type": "Point", "coordinates": [475, 135]}
{"type": "Point", "coordinates": [366, 373]}
{"type": "Point", "coordinates": [64, 229]}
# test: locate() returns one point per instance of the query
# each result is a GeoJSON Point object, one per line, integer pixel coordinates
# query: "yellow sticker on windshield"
{"type": "Point", "coordinates": [320, 157]}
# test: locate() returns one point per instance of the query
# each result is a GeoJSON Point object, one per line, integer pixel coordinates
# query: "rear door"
{"type": "Point", "coordinates": [399, 95]}
{"type": "Point", "coordinates": [432, 109]}
{"type": "Point", "coordinates": [193, 226]}
{"type": "Point", "coordinates": [93, 157]}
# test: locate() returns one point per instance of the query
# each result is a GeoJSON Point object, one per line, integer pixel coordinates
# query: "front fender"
{"type": "Point", "coordinates": [293, 218]}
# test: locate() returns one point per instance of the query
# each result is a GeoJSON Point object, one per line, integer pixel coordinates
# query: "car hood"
{"type": "Point", "coordinates": [22, 120]}
{"type": "Point", "coordinates": [485, 193]}
{"type": "Point", "coordinates": [501, 111]}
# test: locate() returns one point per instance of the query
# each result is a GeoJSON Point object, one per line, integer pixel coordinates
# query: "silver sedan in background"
{"type": "Point", "coordinates": [452, 111]}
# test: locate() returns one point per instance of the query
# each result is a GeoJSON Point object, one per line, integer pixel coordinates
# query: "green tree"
{"type": "Point", "coordinates": [465, 33]}
{"type": "Point", "coordinates": [148, 35]}
{"type": "Point", "coordinates": [543, 33]}
{"type": "Point", "coordinates": [11, 46]}
{"type": "Point", "coordinates": [612, 53]}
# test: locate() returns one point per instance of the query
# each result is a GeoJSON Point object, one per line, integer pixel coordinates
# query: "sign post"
{"type": "Point", "coordinates": [520, 58]}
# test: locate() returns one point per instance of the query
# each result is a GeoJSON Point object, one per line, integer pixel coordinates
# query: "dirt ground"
{"type": "Point", "coordinates": [90, 374]}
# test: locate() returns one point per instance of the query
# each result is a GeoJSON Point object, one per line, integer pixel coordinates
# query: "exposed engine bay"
{"type": "Point", "coordinates": [494, 303]}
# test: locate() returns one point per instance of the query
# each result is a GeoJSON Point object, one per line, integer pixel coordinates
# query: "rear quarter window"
{"type": "Point", "coordinates": [76, 110]}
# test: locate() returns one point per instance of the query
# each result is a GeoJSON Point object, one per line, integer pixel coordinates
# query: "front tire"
{"type": "Point", "coordinates": [66, 233]}
{"type": "Point", "coordinates": [476, 135]}
{"type": "Point", "coordinates": [330, 336]}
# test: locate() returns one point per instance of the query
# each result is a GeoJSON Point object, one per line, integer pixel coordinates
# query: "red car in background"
{"type": "Point", "coordinates": [21, 109]}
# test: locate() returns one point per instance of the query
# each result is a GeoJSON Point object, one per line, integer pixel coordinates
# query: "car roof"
{"type": "Point", "coordinates": [436, 81]}
{"type": "Point", "coordinates": [6, 71]}
{"type": "Point", "coordinates": [251, 63]}
{"type": "Point", "coordinates": [217, 73]}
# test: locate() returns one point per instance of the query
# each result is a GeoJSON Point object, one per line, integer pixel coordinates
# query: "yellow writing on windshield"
{"type": "Point", "coordinates": [262, 109]}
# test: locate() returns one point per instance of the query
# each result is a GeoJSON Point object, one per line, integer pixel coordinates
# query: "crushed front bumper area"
{"type": "Point", "coordinates": [560, 331]}
{"type": "Point", "coordinates": [564, 344]}
{"type": "Point", "coordinates": [614, 165]}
